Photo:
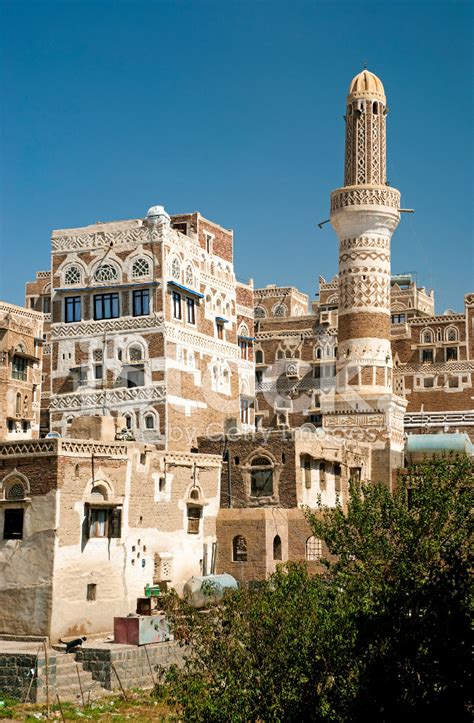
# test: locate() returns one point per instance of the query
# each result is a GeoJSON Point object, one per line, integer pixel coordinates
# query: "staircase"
{"type": "Point", "coordinates": [67, 686]}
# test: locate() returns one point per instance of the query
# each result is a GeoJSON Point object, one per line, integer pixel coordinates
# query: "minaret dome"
{"type": "Point", "coordinates": [366, 85]}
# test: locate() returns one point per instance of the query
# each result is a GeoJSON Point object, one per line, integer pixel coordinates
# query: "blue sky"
{"type": "Point", "coordinates": [234, 109]}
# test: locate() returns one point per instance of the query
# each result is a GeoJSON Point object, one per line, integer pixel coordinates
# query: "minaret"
{"type": "Point", "coordinates": [365, 212]}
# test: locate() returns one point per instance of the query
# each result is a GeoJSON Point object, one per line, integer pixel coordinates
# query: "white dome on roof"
{"type": "Point", "coordinates": [157, 212]}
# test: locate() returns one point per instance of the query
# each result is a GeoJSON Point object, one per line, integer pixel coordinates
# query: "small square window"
{"type": "Point", "coordinates": [428, 382]}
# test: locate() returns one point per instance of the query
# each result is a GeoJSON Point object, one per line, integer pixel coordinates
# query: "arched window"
{"type": "Point", "coordinates": [99, 493]}
{"type": "Point", "coordinates": [318, 352]}
{"type": "Point", "coordinates": [140, 268]}
{"type": "Point", "coordinates": [261, 477]}
{"type": "Point", "coordinates": [280, 354]}
{"type": "Point", "coordinates": [176, 269]}
{"type": "Point", "coordinates": [259, 312]}
{"type": "Point", "coordinates": [135, 353]}
{"type": "Point", "coordinates": [128, 420]}
{"type": "Point", "coordinates": [15, 491]}
{"type": "Point", "coordinates": [427, 337]}
{"type": "Point", "coordinates": [18, 404]}
{"type": "Point", "coordinates": [189, 275]}
{"type": "Point", "coordinates": [259, 356]}
{"type": "Point", "coordinates": [314, 548]}
{"type": "Point", "coordinates": [277, 548]}
{"type": "Point", "coordinates": [106, 272]}
{"type": "Point", "coordinates": [72, 275]}
{"type": "Point", "coordinates": [239, 549]}
{"type": "Point", "coordinates": [451, 334]}
{"type": "Point", "coordinates": [150, 421]}
{"type": "Point", "coordinates": [279, 310]}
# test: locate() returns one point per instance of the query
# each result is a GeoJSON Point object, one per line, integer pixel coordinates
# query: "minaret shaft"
{"type": "Point", "coordinates": [365, 212]}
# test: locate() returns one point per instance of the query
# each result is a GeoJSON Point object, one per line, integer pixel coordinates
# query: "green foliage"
{"type": "Point", "coordinates": [383, 634]}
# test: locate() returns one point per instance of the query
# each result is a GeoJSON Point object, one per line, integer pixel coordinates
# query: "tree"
{"type": "Point", "coordinates": [382, 634]}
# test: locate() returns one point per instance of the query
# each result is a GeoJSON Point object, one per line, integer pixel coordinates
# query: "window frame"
{"type": "Point", "coordinates": [260, 476]}
{"type": "Point", "coordinates": [190, 310]}
{"type": "Point", "coordinates": [19, 368]}
{"type": "Point", "coordinates": [9, 534]}
{"type": "Point", "coordinates": [100, 302]}
{"type": "Point", "coordinates": [177, 310]}
{"type": "Point", "coordinates": [72, 309]}
{"type": "Point", "coordinates": [141, 302]}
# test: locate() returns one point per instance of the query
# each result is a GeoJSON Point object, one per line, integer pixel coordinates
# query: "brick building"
{"type": "Point", "coordinates": [89, 521]}
{"type": "Point", "coordinates": [21, 340]}
{"type": "Point", "coordinates": [252, 401]}
{"type": "Point", "coordinates": [267, 479]}
{"type": "Point", "coordinates": [149, 322]}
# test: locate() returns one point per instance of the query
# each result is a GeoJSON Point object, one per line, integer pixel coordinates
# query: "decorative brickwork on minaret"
{"type": "Point", "coordinates": [365, 213]}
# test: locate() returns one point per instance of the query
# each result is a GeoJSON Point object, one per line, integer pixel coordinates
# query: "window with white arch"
{"type": "Point", "coordinates": [176, 269]}
{"type": "Point", "coordinates": [259, 312]}
{"type": "Point", "coordinates": [150, 420]}
{"type": "Point", "coordinates": [140, 268]}
{"type": "Point", "coordinates": [72, 275]}
{"type": "Point", "coordinates": [106, 272]}
{"type": "Point", "coordinates": [135, 353]}
{"type": "Point", "coordinates": [189, 276]}
{"type": "Point", "coordinates": [451, 334]}
{"type": "Point", "coordinates": [279, 310]}
{"type": "Point", "coordinates": [427, 337]}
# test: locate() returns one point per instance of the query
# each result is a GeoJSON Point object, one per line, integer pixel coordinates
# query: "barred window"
{"type": "Point", "coordinates": [239, 549]}
{"type": "Point", "coordinates": [279, 310]}
{"type": "Point", "coordinates": [314, 548]}
{"type": "Point", "coordinates": [259, 312]}
{"type": "Point", "coordinates": [140, 268]}
{"type": "Point", "coordinates": [106, 272]}
{"type": "Point", "coordinates": [72, 275]}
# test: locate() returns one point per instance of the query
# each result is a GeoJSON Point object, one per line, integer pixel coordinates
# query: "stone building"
{"type": "Point", "coordinates": [240, 405]}
{"type": "Point", "coordinates": [267, 479]}
{"type": "Point", "coordinates": [316, 367]}
{"type": "Point", "coordinates": [148, 321]}
{"type": "Point", "coordinates": [38, 298]}
{"type": "Point", "coordinates": [21, 340]}
{"type": "Point", "coordinates": [89, 521]}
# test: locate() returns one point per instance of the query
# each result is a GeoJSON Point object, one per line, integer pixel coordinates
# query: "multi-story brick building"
{"type": "Point", "coordinates": [148, 321]}
{"type": "Point", "coordinates": [21, 340]}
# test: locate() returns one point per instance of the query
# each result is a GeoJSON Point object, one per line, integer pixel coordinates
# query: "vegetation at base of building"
{"type": "Point", "coordinates": [383, 634]}
{"type": "Point", "coordinates": [139, 706]}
